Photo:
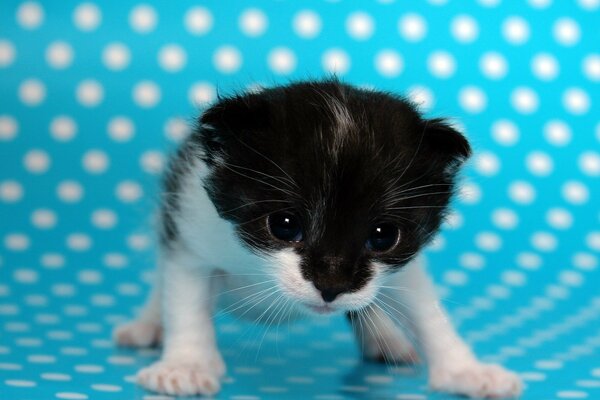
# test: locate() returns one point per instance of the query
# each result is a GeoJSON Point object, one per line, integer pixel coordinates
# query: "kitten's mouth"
{"type": "Point", "coordinates": [321, 309]}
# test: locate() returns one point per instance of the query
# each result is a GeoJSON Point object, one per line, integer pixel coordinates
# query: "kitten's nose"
{"type": "Point", "coordinates": [329, 294]}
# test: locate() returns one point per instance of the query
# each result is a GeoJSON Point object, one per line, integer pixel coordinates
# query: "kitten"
{"type": "Point", "coordinates": [318, 195]}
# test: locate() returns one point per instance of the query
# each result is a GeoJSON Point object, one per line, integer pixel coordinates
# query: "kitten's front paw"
{"type": "Point", "coordinates": [476, 380]}
{"type": "Point", "coordinates": [137, 334]}
{"type": "Point", "coordinates": [180, 379]}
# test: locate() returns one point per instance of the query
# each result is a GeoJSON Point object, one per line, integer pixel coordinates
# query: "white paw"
{"type": "Point", "coordinates": [488, 381]}
{"type": "Point", "coordinates": [180, 379]}
{"type": "Point", "coordinates": [138, 334]}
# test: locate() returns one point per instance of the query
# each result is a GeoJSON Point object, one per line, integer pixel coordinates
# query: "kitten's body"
{"type": "Point", "coordinates": [341, 159]}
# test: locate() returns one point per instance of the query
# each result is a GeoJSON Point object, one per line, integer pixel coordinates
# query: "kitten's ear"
{"type": "Point", "coordinates": [446, 142]}
{"type": "Point", "coordinates": [232, 118]}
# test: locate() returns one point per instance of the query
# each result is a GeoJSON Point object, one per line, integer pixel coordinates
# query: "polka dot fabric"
{"type": "Point", "coordinates": [95, 94]}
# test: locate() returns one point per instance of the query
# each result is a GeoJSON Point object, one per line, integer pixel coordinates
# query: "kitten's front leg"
{"type": "Point", "coordinates": [190, 363]}
{"type": "Point", "coordinates": [453, 367]}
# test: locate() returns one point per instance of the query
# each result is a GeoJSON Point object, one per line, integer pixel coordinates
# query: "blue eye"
{"type": "Point", "coordinates": [285, 226]}
{"type": "Point", "coordinates": [383, 237]}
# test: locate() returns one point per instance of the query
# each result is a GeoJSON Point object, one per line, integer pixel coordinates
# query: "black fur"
{"type": "Point", "coordinates": [285, 149]}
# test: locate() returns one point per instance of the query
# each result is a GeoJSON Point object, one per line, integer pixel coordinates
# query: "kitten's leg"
{"type": "Point", "coordinates": [380, 339]}
{"type": "Point", "coordinates": [146, 329]}
{"type": "Point", "coordinates": [191, 363]}
{"type": "Point", "coordinates": [452, 365]}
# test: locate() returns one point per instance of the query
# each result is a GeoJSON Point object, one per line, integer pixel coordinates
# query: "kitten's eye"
{"type": "Point", "coordinates": [383, 237]}
{"type": "Point", "coordinates": [285, 226]}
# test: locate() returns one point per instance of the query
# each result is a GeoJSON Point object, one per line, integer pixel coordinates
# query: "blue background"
{"type": "Point", "coordinates": [94, 95]}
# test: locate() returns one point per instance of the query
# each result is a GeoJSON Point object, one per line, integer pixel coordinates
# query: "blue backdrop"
{"type": "Point", "coordinates": [93, 95]}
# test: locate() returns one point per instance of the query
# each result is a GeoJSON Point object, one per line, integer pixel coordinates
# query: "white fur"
{"type": "Point", "coordinates": [209, 267]}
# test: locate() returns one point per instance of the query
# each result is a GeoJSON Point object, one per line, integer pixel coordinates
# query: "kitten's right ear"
{"type": "Point", "coordinates": [232, 118]}
{"type": "Point", "coordinates": [447, 143]}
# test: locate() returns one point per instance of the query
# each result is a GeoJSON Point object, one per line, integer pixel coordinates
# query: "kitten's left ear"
{"type": "Point", "coordinates": [447, 143]}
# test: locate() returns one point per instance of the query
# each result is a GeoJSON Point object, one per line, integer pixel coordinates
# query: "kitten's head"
{"type": "Point", "coordinates": [338, 186]}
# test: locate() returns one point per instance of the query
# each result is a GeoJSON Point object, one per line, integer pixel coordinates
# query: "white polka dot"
{"type": "Point", "coordinates": [388, 63]}
{"type": "Point", "coordinates": [529, 261]}
{"type": "Point", "coordinates": [524, 100]}
{"type": "Point", "coordinates": [575, 192]}
{"type": "Point", "coordinates": [472, 99]}
{"type": "Point", "coordinates": [172, 58]}
{"type": "Point", "coordinates": [116, 56]}
{"type": "Point", "coordinates": [114, 260]}
{"type": "Point", "coordinates": [87, 17]}
{"type": "Point", "coordinates": [557, 133]}
{"type": "Point", "coordinates": [539, 163]}
{"type": "Point", "coordinates": [152, 162]}
{"type": "Point", "coordinates": [43, 218]}
{"type": "Point", "coordinates": [227, 59]}
{"type": "Point", "coordinates": [281, 60]}
{"type": "Point", "coordinates": [79, 242]}
{"type": "Point", "coordinates": [146, 94]}
{"type": "Point", "coordinates": [572, 394]}
{"type": "Point", "coordinates": [472, 261]}
{"type": "Point", "coordinates": [202, 94]}
{"type": "Point", "coordinates": [571, 278]}
{"type": "Point", "coordinates": [559, 218]}
{"type": "Point", "coordinates": [89, 276]}
{"type": "Point", "coordinates": [307, 24]}
{"type": "Point", "coordinates": [19, 383]}
{"type": "Point", "coordinates": [138, 242]}
{"type": "Point", "coordinates": [488, 241]}
{"type": "Point", "coordinates": [25, 275]}
{"type": "Point", "coordinates": [58, 377]}
{"type": "Point", "coordinates": [335, 61]}
{"type": "Point", "coordinates": [493, 65]}
{"type": "Point", "coordinates": [470, 193]}
{"type": "Point", "coordinates": [566, 31]}
{"type": "Point", "coordinates": [360, 25]}
{"type": "Point", "coordinates": [589, 163]}
{"type": "Point", "coordinates": [176, 129]}
{"type": "Point", "coordinates": [100, 387]}
{"type": "Point", "coordinates": [593, 240]}
{"type": "Point", "coordinates": [7, 53]}
{"type": "Point", "coordinates": [71, 396]}
{"type": "Point", "coordinates": [8, 127]}
{"type": "Point", "coordinates": [540, 3]}
{"type": "Point", "coordinates": [52, 260]}
{"type": "Point", "coordinates": [464, 29]}
{"type": "Point", "coordinates": [104, 218]}
{"type": "Point", "coordinates": [589, 5]}
{"type": "Point", "coordinates": [441, 64]}
{"type": "Point", "coordinates": [585, 261]}
{"type": "Point", "coordinates": [412, 27]}
{"type": "Point", "coordinates": [253, 22]}
{"type": "Point", "coordinates": [120, 129]}
{"type": "Point", "coordinates": [515, 30]}
{"type": "Point", "coordinates": [576, 101]}
{"type": "Point", "coordinates": [36, 161]}
{"type": "Point", "coordinates": [591, 67]}
{"type": "Point", "coordinates": [422, 97]}
{"type": "Point", "coordinates": [63, 128]}
{"type": "Point", "coordinates": [11, 191]}
{"type": "Point", "coordinates": [143, 18]}
{"type": "Point", "coordinates": [129, 191]}
{"type": "Point", "coordinates": [456, 278]}
{"type": "Point", "coordinates": [90, 93]}
{"type": "Point", "coordinates": [505, 218]}
{"type": "Point", "coordinates": [487, 163]}
{"type": "Point", "coordinates": [16, 241]}
{"type": "Point", "coordinates": [70, 191]}
{"type": "Point", "coordinates": [32, 92]}
{"type": "Point", "coordinates": [59, 55]}
{"type": "Point", "coordinates": [545, 66]}
{"type": "Point", "coordinates": [521, 192]}
{"type": "Point", "coordinates": [544, 241]}
{"type": "Point", "coordinates": [95, 161]}
{"type": "Point", "coordinates": [514, 278]}
{"type": "Point", "coordinates": [198, 20]}
{"type": "Point", "coordinates": [505, 132]}
{"type": "Point", "coordinates": [30, 15]}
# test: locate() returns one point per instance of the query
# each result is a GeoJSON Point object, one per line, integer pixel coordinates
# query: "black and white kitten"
{"type": "Point", "coordinates": [317, 195]}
